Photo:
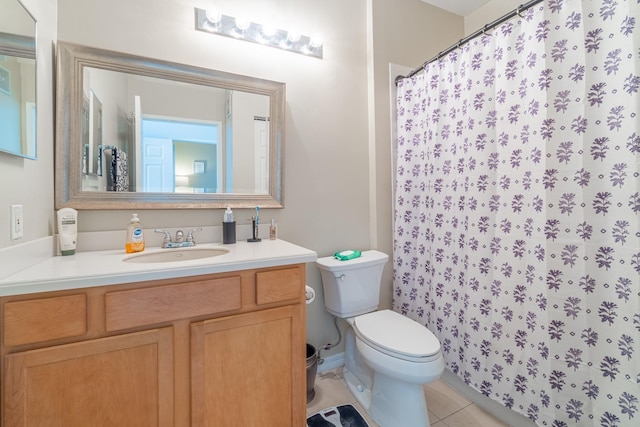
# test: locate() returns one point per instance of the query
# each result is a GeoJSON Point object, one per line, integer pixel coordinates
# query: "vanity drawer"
{"type": "Point", "coordinates": [147, 306]}
{"type": "Point", "coordinates": [37, 320]}
{"type": "Point", "coordinates": [278, 285]}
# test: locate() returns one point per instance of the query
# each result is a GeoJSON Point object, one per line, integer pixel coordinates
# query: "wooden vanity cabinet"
{"type": "Point", "coordinates": [219, 350]}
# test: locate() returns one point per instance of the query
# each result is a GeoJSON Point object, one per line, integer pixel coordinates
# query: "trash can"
{"type": "Point", "coordinates": [312, 370]}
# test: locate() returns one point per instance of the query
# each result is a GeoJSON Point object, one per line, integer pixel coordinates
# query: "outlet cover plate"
{"type": "Point", "coordinates": [17, 222]}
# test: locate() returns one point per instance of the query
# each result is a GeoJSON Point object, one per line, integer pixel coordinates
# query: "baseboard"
{"type": "Point", "coordinates": [331, 362]}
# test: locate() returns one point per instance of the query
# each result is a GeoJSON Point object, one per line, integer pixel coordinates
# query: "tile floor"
{"type": "Point", "coordinates": [447, 407]}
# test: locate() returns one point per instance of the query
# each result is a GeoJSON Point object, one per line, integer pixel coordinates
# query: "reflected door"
{"type": "Point", "coordinates": [261, 127]}
{"type": "Point", "coordinates": [158, 175]}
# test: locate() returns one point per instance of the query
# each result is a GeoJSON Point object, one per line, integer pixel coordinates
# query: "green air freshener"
{"type": "Point", "coordinates": [347, 255]}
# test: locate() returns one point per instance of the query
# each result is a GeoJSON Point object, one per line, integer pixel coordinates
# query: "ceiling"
{"type": "Point", "coordinates": [459, 7]}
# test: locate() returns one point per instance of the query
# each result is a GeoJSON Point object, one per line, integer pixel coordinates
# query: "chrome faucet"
{"type": "Point", "coordinates": [180, 242]}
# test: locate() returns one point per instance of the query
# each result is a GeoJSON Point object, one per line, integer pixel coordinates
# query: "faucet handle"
{"type": "Point", "coordinates": [190, 235]}
{"type": "Point", "coordinates": [167, 235]}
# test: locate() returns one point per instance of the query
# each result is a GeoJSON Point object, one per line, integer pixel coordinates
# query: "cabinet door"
{"type": "Point", "coordinates": [249, 370]}
{"type": "Point", "coordinates": [125, 380]}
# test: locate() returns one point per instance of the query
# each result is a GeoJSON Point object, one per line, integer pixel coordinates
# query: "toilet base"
{"type": "Point", "coordinates": [390, 403]}
{"type": "Point", "coordinates": [359, 391]}
{"type": "Point", "coordinates": [396, 403]}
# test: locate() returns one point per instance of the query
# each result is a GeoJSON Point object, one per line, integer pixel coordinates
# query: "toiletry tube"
{"type": "Point", "coordinates": [310, 294]}
{"type": "Point", "coordinates": [67, 230]}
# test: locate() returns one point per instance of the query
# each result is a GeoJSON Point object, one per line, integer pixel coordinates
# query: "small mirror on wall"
{"type": "Point", "coordinates": [17, 80]}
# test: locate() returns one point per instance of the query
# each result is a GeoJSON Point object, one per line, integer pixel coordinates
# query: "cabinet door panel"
{"type": "Point", "coordinates": [249, 370]}
{"type": "Point", "coordinates": [117, 381]}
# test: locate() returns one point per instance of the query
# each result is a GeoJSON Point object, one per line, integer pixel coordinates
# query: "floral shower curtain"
{"type": "Point", "coordinates": [517, 205]}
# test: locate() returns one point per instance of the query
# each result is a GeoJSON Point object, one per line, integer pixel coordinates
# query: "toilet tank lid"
{"type": "Point", "coordinates": [368, 258]}
{"type": "Point", "coordinates": [397, 333]}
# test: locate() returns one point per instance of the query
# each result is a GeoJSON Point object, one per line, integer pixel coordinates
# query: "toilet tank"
{"type": "Point", "coordinates": [352, 287]}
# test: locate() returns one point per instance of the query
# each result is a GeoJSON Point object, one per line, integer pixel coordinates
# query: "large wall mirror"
{"type": "Point", "coordinates": [134, 132]}
{"type": "Point", "coordinates": [17, 80]}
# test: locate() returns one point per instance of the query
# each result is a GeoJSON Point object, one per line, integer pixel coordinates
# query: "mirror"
{"type": "Point", "coordinates": [17, 80]}
{"type": "Point", "coordinates": [139, 133]}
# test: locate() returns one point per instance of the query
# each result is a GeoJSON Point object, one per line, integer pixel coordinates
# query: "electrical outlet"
{"type": "Point", "coordinates": [17, 222]}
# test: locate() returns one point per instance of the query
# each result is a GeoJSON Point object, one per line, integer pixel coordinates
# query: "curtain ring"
{"type": "Point", "coordinates": [486, 30]}
{"type": "Point", "coordinates": [519, 10]}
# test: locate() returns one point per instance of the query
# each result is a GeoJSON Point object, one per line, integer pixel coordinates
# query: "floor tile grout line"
{"type": "Point", "coordinates": [455, 412]}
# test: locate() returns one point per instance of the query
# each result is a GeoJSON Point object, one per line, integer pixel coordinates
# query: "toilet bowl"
{"type": "Point", "coordinates": [388, 357]}
{"type": "Point", "coordinates": [398, 346]}
{"type": "Point", "coordinates": [398, 363]}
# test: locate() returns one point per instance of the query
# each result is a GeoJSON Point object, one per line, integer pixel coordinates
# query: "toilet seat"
{"type": "Point", "coordinates": [397, 336]}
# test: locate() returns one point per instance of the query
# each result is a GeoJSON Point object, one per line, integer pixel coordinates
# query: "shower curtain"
{"type": "Point", "coordinates": [517, 206]}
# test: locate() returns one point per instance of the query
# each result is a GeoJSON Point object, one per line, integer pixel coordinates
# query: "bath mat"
{"type": "Point", "coordinates": [338, 416]}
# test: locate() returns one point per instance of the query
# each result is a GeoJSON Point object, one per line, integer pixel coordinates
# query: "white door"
{"type": "Point", "coordinates": [158, 174]}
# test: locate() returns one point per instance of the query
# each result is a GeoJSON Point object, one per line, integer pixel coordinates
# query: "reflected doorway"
{"type": "Point", "coordinates": [182, 156]}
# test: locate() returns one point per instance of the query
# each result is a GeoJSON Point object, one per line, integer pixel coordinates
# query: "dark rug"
{"type": "Point", "coordinates": [339, 416]}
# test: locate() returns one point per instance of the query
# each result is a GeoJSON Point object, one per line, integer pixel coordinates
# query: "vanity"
{"type": "Point", "coordinates": [100, 339]}
{"type": "Point", "coordinates": [91, 339]}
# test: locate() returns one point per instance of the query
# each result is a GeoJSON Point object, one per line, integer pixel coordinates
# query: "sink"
{"type": "Point", "coordinates": [175, 255]}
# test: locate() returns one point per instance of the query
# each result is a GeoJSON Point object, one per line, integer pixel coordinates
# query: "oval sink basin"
{"type": "Point", "coordinates": [175, 255]}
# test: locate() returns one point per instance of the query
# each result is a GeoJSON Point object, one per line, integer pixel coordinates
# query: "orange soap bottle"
{"type": "Point", "coordinates": [135, 237]}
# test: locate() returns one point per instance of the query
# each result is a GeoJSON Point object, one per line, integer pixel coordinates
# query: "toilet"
{"type": "Point", "coordinates": [388, 357]}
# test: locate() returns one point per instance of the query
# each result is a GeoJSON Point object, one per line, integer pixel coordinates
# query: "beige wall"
{"type": "Point", "coordinates": [325, 154]}
{"type": "Point", "coordinates": [487, 13]}
{"type": "Point", "coordinates": [337, 191]}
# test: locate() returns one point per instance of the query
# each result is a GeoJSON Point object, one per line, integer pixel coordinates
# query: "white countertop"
{"type": "Point", "coordinates": [98, 268]}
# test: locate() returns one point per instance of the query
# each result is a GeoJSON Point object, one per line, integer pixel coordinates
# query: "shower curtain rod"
{"type": "Point", "coordinates": [472, 36]}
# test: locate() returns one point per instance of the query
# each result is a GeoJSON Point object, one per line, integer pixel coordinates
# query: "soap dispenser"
{"type": "Point", "coordinates": [228, 227]}
{"type": "Point", "coordinates": [135, 237]}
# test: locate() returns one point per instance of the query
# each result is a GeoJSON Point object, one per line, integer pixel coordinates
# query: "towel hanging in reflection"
{"type": "Point", "coordinates": [117, 172]}
{"type": "Point", "coordinates": [121, 171]}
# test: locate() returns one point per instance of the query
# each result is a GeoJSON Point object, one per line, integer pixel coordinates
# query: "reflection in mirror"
{"type": "Point", "coordinates": [139, 133]}
{"type": "Point", "coordinates": [181, 123]}
{"type": "Point", "coordinates": [17, 80]}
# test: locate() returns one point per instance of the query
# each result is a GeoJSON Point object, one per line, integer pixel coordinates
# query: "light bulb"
{"type": "Point", "coordinates": [316, 41]}
{"type": "Point", "coordinates": [214, 17]}
{"type": "Point", "coordinates": [268, 30]}
{"type": "Point", "coordinates": [293, 36]}
{"type": "Point", "coordinates": [242, 24]}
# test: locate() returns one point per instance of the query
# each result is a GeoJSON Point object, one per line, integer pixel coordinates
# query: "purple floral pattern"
{"type": "Point", "coordinates": [517, 204]}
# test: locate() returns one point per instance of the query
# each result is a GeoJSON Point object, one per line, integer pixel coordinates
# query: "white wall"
{"type": "Point", "coordinates": [30, 182]}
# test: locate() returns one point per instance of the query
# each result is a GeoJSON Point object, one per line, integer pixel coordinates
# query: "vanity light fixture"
{"type": "Point", "coordinates": [242, 29]}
